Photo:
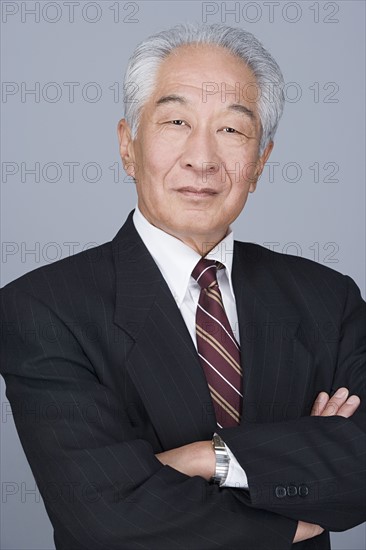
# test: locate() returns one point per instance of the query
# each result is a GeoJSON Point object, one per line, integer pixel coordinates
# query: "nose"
{"type": "Point", "coordinates": [199, 154]}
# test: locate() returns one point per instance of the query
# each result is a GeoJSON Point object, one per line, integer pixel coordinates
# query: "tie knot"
{"type": "Point", "coordinates": [205, 272]}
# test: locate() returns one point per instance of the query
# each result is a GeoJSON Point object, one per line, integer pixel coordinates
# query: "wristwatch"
{"type": "Point", "coordinates": [222, 460]}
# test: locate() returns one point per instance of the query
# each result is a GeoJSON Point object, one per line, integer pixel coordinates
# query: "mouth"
{"type": "Point", "coordinates": [204, 192]}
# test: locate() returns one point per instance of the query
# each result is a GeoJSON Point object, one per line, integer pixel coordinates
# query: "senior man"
{"type": "Point", "coordinates": [175, 426]}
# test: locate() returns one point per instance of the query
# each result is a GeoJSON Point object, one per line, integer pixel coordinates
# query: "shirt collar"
{"type": "Point", "coordinates": [175, 259]}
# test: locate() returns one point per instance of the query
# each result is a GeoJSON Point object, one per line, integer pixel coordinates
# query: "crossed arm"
{"type": "Point", "coordinates": [198, 458]}
{"type": "Point", "coordinates": [142, 503]}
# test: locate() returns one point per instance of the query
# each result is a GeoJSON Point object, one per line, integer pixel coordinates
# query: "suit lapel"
{"type": "Point", "coordinates": [163, 362]}
{"type": "Point", "coordinates": [275, 359]}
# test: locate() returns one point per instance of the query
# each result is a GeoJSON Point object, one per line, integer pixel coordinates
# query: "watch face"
{"type": "Point", "coordinates": [218, 442]}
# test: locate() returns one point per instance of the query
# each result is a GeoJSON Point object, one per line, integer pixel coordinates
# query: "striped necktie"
{"type": "Point", "coordinates": [217, 348]}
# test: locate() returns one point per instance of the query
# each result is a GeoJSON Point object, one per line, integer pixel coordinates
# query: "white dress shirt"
{"type": "Point", "coordinates": [176, 261]}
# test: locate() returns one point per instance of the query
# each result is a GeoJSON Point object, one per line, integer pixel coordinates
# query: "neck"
{"type": "Point", "coordinates": [201, 245]}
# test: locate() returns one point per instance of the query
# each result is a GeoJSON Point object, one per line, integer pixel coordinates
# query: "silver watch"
{"type": "Point", "coordinates": [222, 460]}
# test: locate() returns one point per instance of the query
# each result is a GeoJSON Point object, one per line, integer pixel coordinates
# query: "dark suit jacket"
{"type": "Point", "coordinates": [101, 373]}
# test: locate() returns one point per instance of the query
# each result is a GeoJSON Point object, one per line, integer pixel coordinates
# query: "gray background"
{"type": "Point", "coordinates": [310, 201]}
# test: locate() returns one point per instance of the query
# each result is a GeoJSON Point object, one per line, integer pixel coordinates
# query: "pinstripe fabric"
{"type": "Point", "coordinates": [218, 351]}
{"type": "Point", "coordinates": [101, 374]}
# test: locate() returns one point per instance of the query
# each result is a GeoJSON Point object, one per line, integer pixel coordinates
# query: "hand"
{"type": "Point", "coordinates": [195, 459]}
{"type": "Point", "coordinates": [338, 405]}
{"type": "Point", "coordinates": [306, 531]}
{"type": "Point", "coordinates": [199, 459]}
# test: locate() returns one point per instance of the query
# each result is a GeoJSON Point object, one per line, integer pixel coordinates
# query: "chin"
{"type": "Point", "coordinates": [199, 230]}
{"type": "Point", "coordinates": [191, 223]}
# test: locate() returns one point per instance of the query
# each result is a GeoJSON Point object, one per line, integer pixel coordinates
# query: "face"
{"type": "Point", "coordinates": [196, 154]}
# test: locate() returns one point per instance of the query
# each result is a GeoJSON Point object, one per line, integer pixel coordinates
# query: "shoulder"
{"type": "Point", "coordinates": [283, 264]}
{"type": "Point", "coordinates": [71, 275]}
{"type": "Point", "coordinates": [91, 269]}
{"type": "Point", "coordinates": [300, 280]}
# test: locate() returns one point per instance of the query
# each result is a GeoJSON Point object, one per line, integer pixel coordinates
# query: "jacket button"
{"type": "Point", "coordinates": [280, 491]}
{"type": "Point", "coordinates": [303, 490]}
{"type": "Point", "coordinates": [292, 490]}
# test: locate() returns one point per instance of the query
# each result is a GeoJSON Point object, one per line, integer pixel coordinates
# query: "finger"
{"type": "Point", "coordinates": [319, 404]}
{"type": "Point", "coordinates": [349, 407]}
{"type": "Point", "coordinates": [306, 531]}
{"type": "Point", "coordinates": [335, 402]}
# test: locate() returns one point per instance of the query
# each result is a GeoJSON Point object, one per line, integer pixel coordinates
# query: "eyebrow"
{"type": "Point", "coordinates": [170, 99]}
{"type": "Point", "coordinates": [236, 107]}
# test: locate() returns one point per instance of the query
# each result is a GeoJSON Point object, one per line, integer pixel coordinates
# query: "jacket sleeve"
{"type": "Point", "coordinates": [314, 468]}
{"type": "Point", "coordinates": [101, 484]}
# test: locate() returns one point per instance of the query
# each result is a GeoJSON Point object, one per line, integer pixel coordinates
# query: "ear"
{"type": "Point", "coordinates": [126, 148]}
{"type": "Point", "coordinates": [260, 165]}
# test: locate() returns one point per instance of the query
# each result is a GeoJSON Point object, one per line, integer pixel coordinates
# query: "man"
{"type": "Point", "coordinates": [134, 345]}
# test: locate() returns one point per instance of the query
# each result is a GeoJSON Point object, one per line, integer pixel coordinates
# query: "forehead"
{"type": "Point", "coordinates": [204, 67]}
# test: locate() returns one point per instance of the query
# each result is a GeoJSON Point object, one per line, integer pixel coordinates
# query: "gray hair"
{"type": "Point", "coordinates": [144, 63]}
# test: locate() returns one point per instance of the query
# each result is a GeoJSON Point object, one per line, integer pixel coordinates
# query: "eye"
{"type": "Point", "coordinates": [229, 130]}
{"type": "Point", "coordinates": [177, 122]}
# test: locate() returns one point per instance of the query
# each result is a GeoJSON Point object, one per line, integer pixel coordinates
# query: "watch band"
{"type": "Point", "coordinates": [222, 460]}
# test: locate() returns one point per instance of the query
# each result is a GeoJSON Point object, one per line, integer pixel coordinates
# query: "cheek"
{"type": "Point", "coordinates": [241, 182]}
{"type": "Point", "coordinates": [249, 166]}
{"type": "Point", "coordinates": [157, 161]}
{"type": "Point", "coordinates": [151, 184]}
{"type": "Point", "coordinates": [241, 163]}
{"type": "Point", "coordinates": [236, 199]}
